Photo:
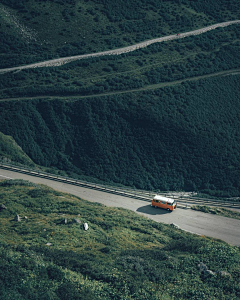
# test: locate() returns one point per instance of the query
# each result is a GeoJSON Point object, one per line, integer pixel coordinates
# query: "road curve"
{"type": "Point", "coordinates": [64, 60]}
{"type": "Point", "coordinates": [219, 227]}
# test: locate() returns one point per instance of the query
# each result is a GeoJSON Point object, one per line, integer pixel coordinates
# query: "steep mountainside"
{"type": "Point", "coordinates": [182, 137]}
{"type": "Point", "coordinates": [34, 30]}
{"type": "Point", "coordinates": [143, 118]}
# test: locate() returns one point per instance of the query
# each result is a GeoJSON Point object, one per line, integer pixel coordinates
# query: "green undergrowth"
{"type": "Point", "coordinates": [48, 255]}
{"type": "Point", "coordinates": [183, 137]}
{"type": "Point", "coordinates": [36, 30]}
{"type": "Point", "coordinates": [209, 53]}
{"type": "Point", "coordinates": [11, 152]}
{"type": "Point", "coordinates": [217, 211]}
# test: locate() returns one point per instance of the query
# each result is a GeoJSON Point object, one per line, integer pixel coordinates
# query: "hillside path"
{"type": "Point", "coordinates": [64, 60]}
{"type": "Point", "coordinates": [144, 88]}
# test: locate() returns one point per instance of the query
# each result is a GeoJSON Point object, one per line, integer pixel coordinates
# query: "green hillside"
{"type": "Point", "coordinates": [34, 30]}
{"type": "Point", "coordinates": [48, 254]}
{"type": "Point", "coordinates": [163, 117]}
{"type": "Point", "coordinates": [181, 137]}
{"type": "Point", "coordinates": [11, 152]}
{"type": "Point", "coordinates": [209, 53]}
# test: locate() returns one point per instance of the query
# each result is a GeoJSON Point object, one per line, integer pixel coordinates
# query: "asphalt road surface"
{"type": "Point", "coordinates": [219, 227]}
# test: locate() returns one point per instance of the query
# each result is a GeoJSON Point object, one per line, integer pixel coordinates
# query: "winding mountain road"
{"type": "Point", "coordinates": [219, 227]}
{"type": "Point", "coordinates": [65, 60]}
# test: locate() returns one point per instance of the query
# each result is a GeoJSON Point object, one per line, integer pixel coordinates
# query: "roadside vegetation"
{"type": "Point", "coordinates": [46, 254]}
{"type": "Point", "coordinates": [217, 211]}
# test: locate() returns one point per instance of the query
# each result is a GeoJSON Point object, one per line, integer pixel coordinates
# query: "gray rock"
{"type": "Point", "coordinates": [205, 272]}
{"type": "Point", "coordinates": [2, 206]}
{"type": "Point", "coordinates": [63, 221]}
{"type": "Point", "coordinates": [78, 221]}
{"type": "Point", "coordinates": [17, 218]}
{"type": "Point", "coordinates": [85, 226]}
{"type": "Point", "coordinates": [208, 273]}
{"type": "Point", "coordinates": [202, 267]}
{"type": "Point", "coordinates": [223, 274]}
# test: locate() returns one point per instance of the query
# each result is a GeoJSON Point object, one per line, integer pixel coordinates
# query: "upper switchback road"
{"type": "Point", "coordinates": [144, 88]}
{"type": "Point", "coordinates": [64, 60]}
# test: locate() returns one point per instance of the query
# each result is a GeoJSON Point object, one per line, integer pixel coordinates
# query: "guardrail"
{"type": "Point", "coordinates": [104, 188]}
{"type": "Point", "coordinates": [184, 199]}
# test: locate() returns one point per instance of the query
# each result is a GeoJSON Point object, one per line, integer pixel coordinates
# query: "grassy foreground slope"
{"type": "Point", "coordinates": [48, 255]}
{"type": "Point", "coordinates": [36, 30]}
{"type": "Point", "coordinates": [181, 137]}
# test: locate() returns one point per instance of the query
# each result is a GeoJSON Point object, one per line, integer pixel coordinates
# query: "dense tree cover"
{"type": "Point", "coordinates": [134, 9]}
{"type": "Point", "coordinates": [184, 137]}
{"type": "Point", "coordinates": [218, 9]}
{"type": "Point", "coordinates": [212, 52]}
{"type": "Point", "coordinates": [16, 52]}
{"type": "Point", "coordinates": [63, 28]}
{"type": "Point", "coordinates": [121, 256]}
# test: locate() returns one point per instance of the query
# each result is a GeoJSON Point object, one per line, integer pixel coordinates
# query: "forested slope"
{"type": "Point", "coordinates": [208, 53]}
{"type": "Point", "coordinates": [36, 30]}
{"type": "Point", "coordinates": [183, 137]}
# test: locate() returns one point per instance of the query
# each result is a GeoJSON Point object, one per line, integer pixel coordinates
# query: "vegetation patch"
{"type": "Point", "coordinates": [64, 28]}
{"type": "Point", "coordinates": [182, 137]}
{"type": "Point", "coordinates": [209, 53]}
{"type": "Point", "coordinates": [121, 255]}
{"type": "Point", "coordinates": [217, 211]}
{"type": "Point", "coordinates": [10, 151]}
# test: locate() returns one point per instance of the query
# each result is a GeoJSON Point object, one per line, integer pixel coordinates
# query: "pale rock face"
{"type": "Point", "coordinates": [85, 225]}
{"type": "Point", "coordinates": [17, 218]}
{"type": "Point", "coordinates": [2, 206]}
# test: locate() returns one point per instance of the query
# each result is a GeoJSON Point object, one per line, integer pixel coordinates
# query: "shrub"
{"type": "Point", "coordinates": [20, 182]}
{"type": "Point", "coordinates": [54, 273]}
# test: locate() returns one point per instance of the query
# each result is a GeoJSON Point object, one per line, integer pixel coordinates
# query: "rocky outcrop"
{"type": "Point", "coordinates": [205, 272]}
{"type": "Point", "coordinates": [223, 274]}
{"type": "Point", "coordinates": [17, 218]}
{"type": "Point", "coordinates": [2, 207]}
{"type": "Point", "coordinates": [77, 221]}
